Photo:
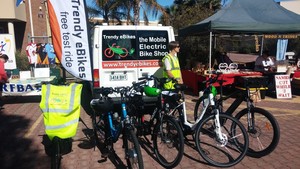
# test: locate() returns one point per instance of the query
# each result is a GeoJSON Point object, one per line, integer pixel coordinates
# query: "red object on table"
{"type": "Point", "coordinates": [229, 78]}
{"type": "Point", "coordinates": [296, 74]}
{"type": "Point", "coordinates": [192, 80]}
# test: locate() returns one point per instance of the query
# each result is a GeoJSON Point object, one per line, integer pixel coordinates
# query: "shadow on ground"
{"type": "Point", "coordinates": [17, 151]}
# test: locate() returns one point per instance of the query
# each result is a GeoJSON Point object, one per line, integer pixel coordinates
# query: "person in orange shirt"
{"type": "Point", "coordinates": [3, 75]}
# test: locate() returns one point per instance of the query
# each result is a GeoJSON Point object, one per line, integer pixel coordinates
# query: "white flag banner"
{"type": "Point", "coordinates": [7, 46]}
{"type": "Point", "coordinates": [70, 36]}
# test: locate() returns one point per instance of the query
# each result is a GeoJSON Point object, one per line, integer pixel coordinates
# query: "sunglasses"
{"type": "Point", "coordinates": [178, 46]}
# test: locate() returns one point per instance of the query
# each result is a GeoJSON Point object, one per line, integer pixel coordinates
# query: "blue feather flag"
{"type": "Point", "coordinates": [19, 2]}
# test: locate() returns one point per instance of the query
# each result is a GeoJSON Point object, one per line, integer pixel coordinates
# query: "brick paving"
{"type": "Point", "coordinates": [22, 128]}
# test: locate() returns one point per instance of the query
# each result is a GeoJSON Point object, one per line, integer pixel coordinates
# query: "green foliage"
{"type": "Point", "coordinates": [113, 11]}
{"type": "Point", "coordinates": [183, 14]}
{"type": "Point", "coordinates": [22, 61]}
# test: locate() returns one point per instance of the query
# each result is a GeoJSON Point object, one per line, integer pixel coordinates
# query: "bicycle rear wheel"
{"type": "Point", "coordinates": [99, 131]}
{"type": "Point", "coordinates": [264, 131]}
{"type": "Point", "coordinates": [168, 142]}
{"type": "Point", "coordinates": [226, 151]}
{"type": "Point", "coordinates": [133, 152]}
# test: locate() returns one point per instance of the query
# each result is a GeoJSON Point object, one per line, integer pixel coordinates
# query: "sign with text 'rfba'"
{"type": "Point", "coordinates": [283, 86]}
{"type": "Point", "coordinates": [70, 36]}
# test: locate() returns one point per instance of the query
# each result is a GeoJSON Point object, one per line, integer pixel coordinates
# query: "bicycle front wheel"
{"type": "Point", "coordinates": [168, 142]}
{"type": "Point", "coordinates": [263, 131]}
{"type": "Point", "coordinates": [201, 105]}
{"type": "Point", "coordinates": [56, 156]}
{"type": "Point", "coordinates": [133, 152]}
{"type": "Point", "coordinates": [223, 149]}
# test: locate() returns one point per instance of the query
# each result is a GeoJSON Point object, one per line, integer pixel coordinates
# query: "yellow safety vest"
{"type": "Point", "coordinates": [61, 109]}
{"type": "Point", "coordinates": [175, 69]}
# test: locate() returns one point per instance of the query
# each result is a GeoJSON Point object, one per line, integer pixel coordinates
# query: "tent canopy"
{"type": "Point", "coordinates": [248, 17]}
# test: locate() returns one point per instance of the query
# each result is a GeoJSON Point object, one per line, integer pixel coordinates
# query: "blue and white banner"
{"type": "Point", "coordinates": [24, 87]}
{"type": "Point", "coordinates": [281, 49]}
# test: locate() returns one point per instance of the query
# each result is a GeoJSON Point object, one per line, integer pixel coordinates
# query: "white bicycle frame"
{"type": "Point", "coordinates": [207, 102]}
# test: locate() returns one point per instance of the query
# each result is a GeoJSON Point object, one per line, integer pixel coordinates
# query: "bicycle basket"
{"type": "Point", "coordinates": [252, 81]}
{"type": "Point", "coordinates": [151, 91]}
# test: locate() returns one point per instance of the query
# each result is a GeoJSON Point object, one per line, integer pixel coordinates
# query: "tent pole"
{"type": "Point", "coordinates": [262, 45]}
{"type": "Point", "coordinates": [210, 47]}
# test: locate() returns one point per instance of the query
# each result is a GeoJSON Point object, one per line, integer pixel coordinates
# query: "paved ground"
{"type": "Point", "coordinates": [21, 131]}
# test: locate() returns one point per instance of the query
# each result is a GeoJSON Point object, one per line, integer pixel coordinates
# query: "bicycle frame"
{"type": "Point", "coordinates": [184, 119]}
{"type": "Point", "coordinates": [114, 131]}
{"type": "Point", "coordinates": [237, 102]}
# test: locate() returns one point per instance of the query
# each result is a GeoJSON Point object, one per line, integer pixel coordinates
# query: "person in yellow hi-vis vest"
{"type": "Point", "coordinates": [171, 67]}
{"type": "Point", "coordinates": [61, 109]}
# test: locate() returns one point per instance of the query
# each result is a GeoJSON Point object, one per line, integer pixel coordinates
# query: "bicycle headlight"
{"type": "Point", "coordinates": [151, 91]}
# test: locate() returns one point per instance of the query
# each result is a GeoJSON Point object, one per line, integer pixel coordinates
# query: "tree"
{"type": "Point", "coordinates": [151, 6]}
{"type": "Point", "coordinates": [108, 9]}
{"type": "Point", "coordinates": [188, 12]}
{"type": "Point", "coordinates": [121, 9]}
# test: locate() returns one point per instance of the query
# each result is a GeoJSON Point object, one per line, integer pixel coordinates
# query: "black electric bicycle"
{"type": "Point", "coordinates": [166, 134]}
{"type": "Point", "coordinates": [108, 123]}
{"type": "Point", "coordinates": [262, 127]}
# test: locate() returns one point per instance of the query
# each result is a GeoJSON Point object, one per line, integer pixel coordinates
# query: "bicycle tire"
{"type": "Point", "coordinates": [133, 152]}
{"type": "Point", "coordinates": [109, 53]}
{"type": "Point", "coordinates": [99, 133]}
{"type": "Point", "coordinates": [168, 142]}
{"type": "Point", "coordinates": [262, 134]}
{"type": "Point", "coordinates": [56, 156]}
{"type": "Point", "coordinates": [221, 153]}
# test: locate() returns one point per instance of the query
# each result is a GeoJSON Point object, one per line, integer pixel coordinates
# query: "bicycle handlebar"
{"type": "Point", "coordinates": [213, 79]}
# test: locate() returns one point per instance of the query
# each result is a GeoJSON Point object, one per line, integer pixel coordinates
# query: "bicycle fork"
{"type": "Point", "coordinates": [250, 116]}
{"type": "Point", "coordinates": [220, 137]}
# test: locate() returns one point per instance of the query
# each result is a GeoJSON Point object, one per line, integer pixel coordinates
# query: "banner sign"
{"type": "Point", "coordinates": [130, 64]}
{"type": "Point", "coordinates": [70, 36]}
{"type": "Point", "coordinates": [134, 44]}
{"type": "Point", "coordinates": [24, 87]}
{"type": "Point", "coordinates": [7, 46]}
{"type": "Point", "coordinates": [285, 36]}
{"type": "Point", "coordinates": [283, 86]}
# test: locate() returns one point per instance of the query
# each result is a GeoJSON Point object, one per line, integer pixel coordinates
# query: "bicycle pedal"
{"type": "Point", "coordinates": [102, 160]}
{"type": "Point", "coordinates": [105, 155]}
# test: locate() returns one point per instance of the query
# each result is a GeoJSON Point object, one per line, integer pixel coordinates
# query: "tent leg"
{"type": "Point", "coordinates": [210, 48]}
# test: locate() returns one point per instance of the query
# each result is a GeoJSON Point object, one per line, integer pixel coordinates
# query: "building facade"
{"type": "Point", "coordinates": [27, 22]}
